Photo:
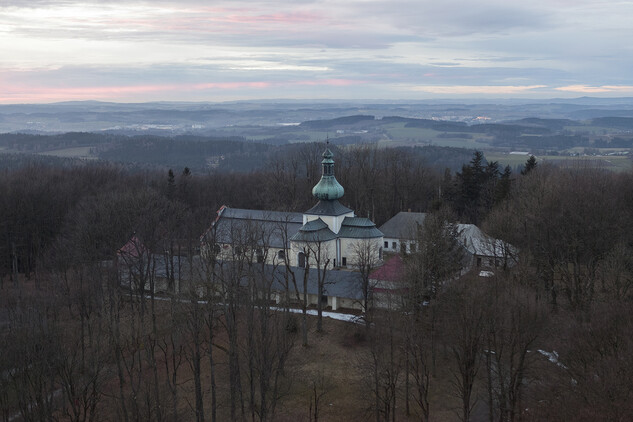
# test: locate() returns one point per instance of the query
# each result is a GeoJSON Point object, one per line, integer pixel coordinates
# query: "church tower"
{"type": "Point", "coordinates": [328, 191]}
{"type": "Point", "coordinates": [332, 224]}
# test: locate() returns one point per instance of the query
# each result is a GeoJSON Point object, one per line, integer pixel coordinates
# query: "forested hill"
{"type": "Point", "coordinates": [199, 153]}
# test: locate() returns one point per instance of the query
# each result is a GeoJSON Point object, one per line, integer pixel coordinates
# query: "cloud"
{"type": "Point", "coordinates": [38, 94]}
{"type": "Point", "coordinates": [585, 89]}
{"type": "Point", "coordinates": [478, 89]}
{"type": "Point", "coordinates": [493, 47]}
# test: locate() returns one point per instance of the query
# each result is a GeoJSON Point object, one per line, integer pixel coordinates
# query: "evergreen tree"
{"type": "Point", "coordinates": [530, 165]}
{"type": "Point", "coordinates": [471, 180]}
{"type": "Point", "coordinates": [502, 191]}
{"type": "Point", "coordinates": [171, 183]}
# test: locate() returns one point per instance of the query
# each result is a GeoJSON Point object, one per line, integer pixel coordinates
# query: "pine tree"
{"type": "Point", "coordinates": [503, 186]}
{"type": "Point", "coordinates": [530, 165]}
{"type": "Point", "coordinates": [171, 183]}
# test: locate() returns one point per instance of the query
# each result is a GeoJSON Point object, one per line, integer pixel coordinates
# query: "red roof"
{"type": "Point", "coordinates": [134, 248]}
{"type": "Point", "coordinates": [392, 270]}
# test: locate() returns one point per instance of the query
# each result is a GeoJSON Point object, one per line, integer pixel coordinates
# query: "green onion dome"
{"type": "Point", "coordinates": [328, 188]}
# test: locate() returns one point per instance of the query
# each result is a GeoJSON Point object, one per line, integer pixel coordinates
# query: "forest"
{"type": "Point", "coordinates": [550, 338]}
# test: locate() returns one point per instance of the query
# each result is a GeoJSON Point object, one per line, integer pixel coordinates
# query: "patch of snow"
{"type": "Point", "coordinates": [552, 357]}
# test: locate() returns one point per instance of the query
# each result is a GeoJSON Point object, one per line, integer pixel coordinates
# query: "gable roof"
{"type": "Point", "coordinates": [244, 226]}
{"type": "Point", "coordinates": [391, 270]}
{"type": "Point", "coordinates": [133, 248]}
{"type": "Point", "coordinates": [261, 215]}
{"type": "Point", "coordinates": [339, 283]}
{"type": "Point", "coordinates": [403, 225]}
{"type": "Point", "coordinates": [476, 242]}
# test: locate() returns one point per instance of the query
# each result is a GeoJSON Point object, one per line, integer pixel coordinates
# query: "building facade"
{"type": "Point", "coordinates": [328, 234]}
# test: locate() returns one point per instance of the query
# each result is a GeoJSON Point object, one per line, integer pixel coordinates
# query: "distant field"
{"type": "Point", "coordinates": [78, 152]}
{"type": "Point", "coordinates": [613, 163]}
{"type": "Point", "coordinates": [396, 134]}
{"type": "Point", "coordinates": [506, 159]}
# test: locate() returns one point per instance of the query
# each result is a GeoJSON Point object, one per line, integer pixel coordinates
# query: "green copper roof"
{"type": "Point", "coordinates": [314, 231]}
{"type": "Point", "coordinates": [328, 208]}
{"type": "Point", "coordinates": [328, 188]}
{"type": "Point", "coordinates": [359, 228]}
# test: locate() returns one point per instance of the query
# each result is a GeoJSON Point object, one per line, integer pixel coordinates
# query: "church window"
{"type": "Point", "coordinates": [345, 261]}
{"type": "Point", "coordinates": [302, 259]}
{"type": "Point", "coordinates": [281, 254]}
{"type": "Point", "coordinates": [386, 245]}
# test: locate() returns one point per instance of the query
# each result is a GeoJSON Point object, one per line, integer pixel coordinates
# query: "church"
{"type": "Point", "coordinates": [328, 234]}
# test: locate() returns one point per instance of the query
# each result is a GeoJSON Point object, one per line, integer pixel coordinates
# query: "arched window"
{"type": "Point", "coordinates": [301, 258]}
{"type": "Point", "coordinates": [281, 254]}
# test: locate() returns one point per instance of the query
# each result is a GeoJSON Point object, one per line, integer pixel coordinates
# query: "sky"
{"type": "Point", "coordinates": [195, 50]}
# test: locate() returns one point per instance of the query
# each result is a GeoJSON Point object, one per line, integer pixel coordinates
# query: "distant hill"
{"type": "Point", "coordinates": [614, 122]}
{"type": "Point", "coordinates": [338, 122]}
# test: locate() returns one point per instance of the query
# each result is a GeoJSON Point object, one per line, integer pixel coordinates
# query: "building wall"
{"type": "Point", "coordinates": [328, 250]}
{"type": "Point", "coordinates": [334, 303]}
{"type": "Point", "coordinates": [349, 249]}
{"type": "Point", "coordinates": [228, 252]}
{"type": "Point", "coordinates": [395, 245]}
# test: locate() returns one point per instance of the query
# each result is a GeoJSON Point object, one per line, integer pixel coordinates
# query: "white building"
{"type": "Point", "coordinates": [401, 231]}
{"type": "Point", "coordinates": [401, 235]}
{"type": "Point", "coordinates": [329, 231]}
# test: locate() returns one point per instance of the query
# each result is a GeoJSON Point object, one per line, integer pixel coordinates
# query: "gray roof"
{"type": "Point", "coordinates": [476, 242]}
{"type": "Point", "coordinates": [339, 283]}
{"type": "Point", "coordinates": [359, 228]}
{"type": "Point", "coordinates": [314, 231]}
{"type": "Point", "coordinates": [332, 208]}
{"type": "Point", "coordinates": [261, 215]}
{"type": "Point", "coordinates": [161, 266]}
{"type": "Point", "coordinates": [403, 225]}
{"type": "Point", "coordinates": [247, 227]}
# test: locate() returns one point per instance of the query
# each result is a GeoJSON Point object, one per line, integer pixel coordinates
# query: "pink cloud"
{"type": "Point", "coordinates": [20, 94]}
{"type": "Point", "coordinates": [43, 94]}
{"type": "Point", "coordinates": [274, 18]}
{"type": "Point", "coordinates": [586, 89]}
{"type": "Point", "coordinates": [214, 20]}
{"type": "Point", "coordinates": [477, 89]}
{"type": "Point", "coordinates": [331, 82]}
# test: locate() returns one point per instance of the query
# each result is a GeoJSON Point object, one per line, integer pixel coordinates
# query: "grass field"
{"type": "Point", "coordinates": [614, 163]}
{"type": "Point", "coordinates": [78, 152]}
